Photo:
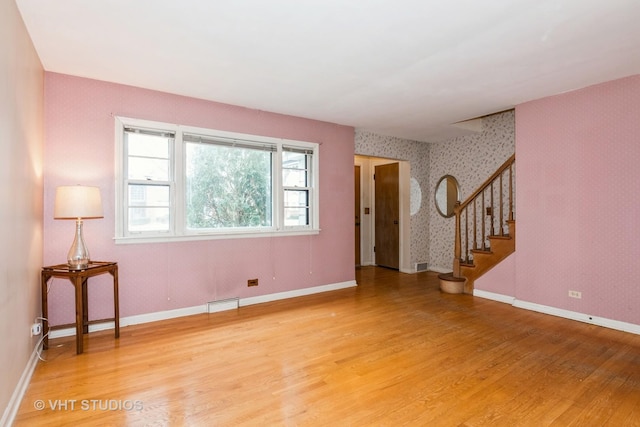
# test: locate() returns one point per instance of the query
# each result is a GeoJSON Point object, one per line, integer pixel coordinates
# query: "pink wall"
{"type": "Point", "coordinates": [578, 210]}
{"type": "Point", "coordinates": [79, 148]}
{"type": "Point", "coordinates": [21, 162]}
{"type": "Point", "coordinates": [501, 279]}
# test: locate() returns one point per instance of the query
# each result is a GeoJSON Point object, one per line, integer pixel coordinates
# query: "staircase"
{"type": "Point", "coordinates": [500, 247]}
{"type": "Point", "coordinates": [485, 230]}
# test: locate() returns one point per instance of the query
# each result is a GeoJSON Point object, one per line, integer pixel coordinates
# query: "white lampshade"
{"type": "Point", "coordinates": [77, 201]}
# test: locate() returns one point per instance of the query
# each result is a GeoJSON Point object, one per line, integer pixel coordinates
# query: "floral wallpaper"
{"type": "Point", "coordinates": [417, 154]}
{"type": "Point", "coordinates": [471, 159]}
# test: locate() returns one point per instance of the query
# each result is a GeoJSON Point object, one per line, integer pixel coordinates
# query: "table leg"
{"type": "Point", "coordinates": [77, 283]}
{"type": "Point", "coordinates": [44, 278]}
{"type": "Point", "coordinates": [116, 303]}
{"type": "Point", "coordinates": [85, 306]}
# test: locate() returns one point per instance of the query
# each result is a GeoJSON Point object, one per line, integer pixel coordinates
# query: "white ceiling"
{"type": "Point", "coordinates": [406, 68]}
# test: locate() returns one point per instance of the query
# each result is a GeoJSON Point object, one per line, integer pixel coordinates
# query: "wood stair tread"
{"type": "Point", "coordinates": [481, 251]}
{"type": "Point", "coordinates": [450, 277]}
{"type": "Point", "coordinates": [501, 237]}
{"type": "Point", "coordinates": [500, 241]}
{"type": "Point", "coordinates": [485, 259]}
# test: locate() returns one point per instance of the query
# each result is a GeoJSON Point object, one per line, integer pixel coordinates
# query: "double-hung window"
{"type": "Point", "coordinates": [148, 180]}
{"type": "Point", "coordinates": [178, 183]}
{"type": "Point", "coordinates": [297, 185]}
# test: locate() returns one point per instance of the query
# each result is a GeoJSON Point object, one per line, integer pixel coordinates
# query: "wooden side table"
{"type": "Point", "coordinates": [79, 279]}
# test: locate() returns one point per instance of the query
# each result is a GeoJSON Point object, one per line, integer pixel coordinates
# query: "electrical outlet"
{"type": "Point", "coordinates": [36, 329]}
{"type": "Point", "coordinates": [575, 294]}
{"type": "Point", "coordinates": [252, 282]}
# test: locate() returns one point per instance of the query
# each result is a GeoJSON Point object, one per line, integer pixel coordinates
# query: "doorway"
{"type": "Point", "coordinates": [387, 215]}
{"type": "Point", "coordinates": [366, 198]}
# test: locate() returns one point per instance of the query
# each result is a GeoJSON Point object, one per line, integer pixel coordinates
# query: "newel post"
{"type": "Point", "coordinates": [458, 243]}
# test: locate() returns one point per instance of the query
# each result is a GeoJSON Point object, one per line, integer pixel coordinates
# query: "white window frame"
{"type": "Point", "coordinates": [177, 228]}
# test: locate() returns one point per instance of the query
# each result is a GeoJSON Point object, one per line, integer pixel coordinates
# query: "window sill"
{"type": "Point", "coordinates": [221, 236]}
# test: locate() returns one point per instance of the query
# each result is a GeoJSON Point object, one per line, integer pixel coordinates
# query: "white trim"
{"type": "Point", "coordinates": [404, 243]}
{"type": "Point", "coordinates": [438, 269]}
{"type": "Point", "coordinates": [493, 296]}
{"type": "Point", "coordinates": [199, 309]}
{"type": "Point", "coordinates": [559, 312]}
{"type": "Point", "coordinates": [177, 229]}
{"type": "Point", "coordinates": [18, 393]}
{"type": "Point", "coordinates": [580, 317]}
{"type": "Point", "coordinates": [296, 293]}
{"type": "Point", "coordinates": [192, 237]}
{"type": "Point", "coordinates": [134, 320]}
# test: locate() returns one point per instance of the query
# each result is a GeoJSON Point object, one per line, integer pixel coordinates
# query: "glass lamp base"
{"type": "Point", "coordinates": [78, 256]}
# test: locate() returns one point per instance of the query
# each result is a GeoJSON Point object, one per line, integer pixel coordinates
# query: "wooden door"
{"type": "Point", "coordinates": [387, 212]}
{"type": "Point", "coordinates": [357, 213]}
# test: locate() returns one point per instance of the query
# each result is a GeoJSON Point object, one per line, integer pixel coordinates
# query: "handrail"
{"type": "Point", "coordinates": [462, 207]}
{"type": "Point", "coordinates": [488, 182]}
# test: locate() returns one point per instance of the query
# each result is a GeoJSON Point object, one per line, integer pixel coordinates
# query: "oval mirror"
{"type": "Point", "coordinates": [447, 193]}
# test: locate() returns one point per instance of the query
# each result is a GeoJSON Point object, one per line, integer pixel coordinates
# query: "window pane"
{"type": "Point", "coordinates": [148, 156]}
{"type": "Point", "coordinates": [294, 160]}
{"type": "Point", "coordinates": [296, 216]}
{"type": "Point", "coordinates": [227, 186]}
{"type": "Point", "coordinates": [294, 178]}
{"type": "Point", "coordinates": [149, 195]}
{"type": "Point", "coordinates": [148, 219]}
{"type": "Point", "coordinates": [296, 207]}
{"type": "Point", "coordinates": [296, 198]}
{"type": "Point", "coordinates": [148, 169]}
{"type": "Point", "coordinates": [147, 145]}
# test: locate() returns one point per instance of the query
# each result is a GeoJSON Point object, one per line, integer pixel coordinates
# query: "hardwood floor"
{"type": "Point", "coordinates": [393, 351]}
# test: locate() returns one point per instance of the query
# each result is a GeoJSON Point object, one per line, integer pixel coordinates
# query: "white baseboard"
{"type": "Point", "coordinates": [580, 317]}
{"type": "Point", "coordinates": [296, 293]}
{"type": "Point", "coordinates": [559, 312]}
{"type": "Point", "coordinates": [204, 308]}
{"type": "Point", "coordinates": [134, 320]}
{"type": "Point", "coordinates": [438, 269]}
{"type": "Point", "coordinates": [18, 393]}
{"type": "Point", "coordinates": [493, 296]}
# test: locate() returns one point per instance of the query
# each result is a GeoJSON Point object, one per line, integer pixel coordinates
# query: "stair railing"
{"type": "Point", "coordinates": [496, 192]}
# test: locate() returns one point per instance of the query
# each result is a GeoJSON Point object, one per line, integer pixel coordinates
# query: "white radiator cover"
{"type": "Point", "coordinates": [223, 305]}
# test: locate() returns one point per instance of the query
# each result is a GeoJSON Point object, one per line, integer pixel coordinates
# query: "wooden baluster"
{"type": "Point", "coordinates": [489, 185]}
{"type": "Point", "coordinates": [457, 255]}
{"type": "Point", "coordinates": [466, 234]}
{"type": "Point", "coordinates": [483, 223]}
{"type": "Point", "coordinates": [511, 192]}
{"type": "Point", "coordinates": [493, 233]}
{"type": "Point", "coordinates": [475, 226]}
{"type": "Point", "coordinates": [501, 213]}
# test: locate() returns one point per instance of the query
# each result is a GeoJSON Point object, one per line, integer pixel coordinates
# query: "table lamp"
{"type": "Point", "coordinates": [78, 202]}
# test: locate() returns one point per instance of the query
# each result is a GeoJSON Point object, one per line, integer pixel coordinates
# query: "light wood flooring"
{"type": "Point", "coordinates": [393, 351]}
